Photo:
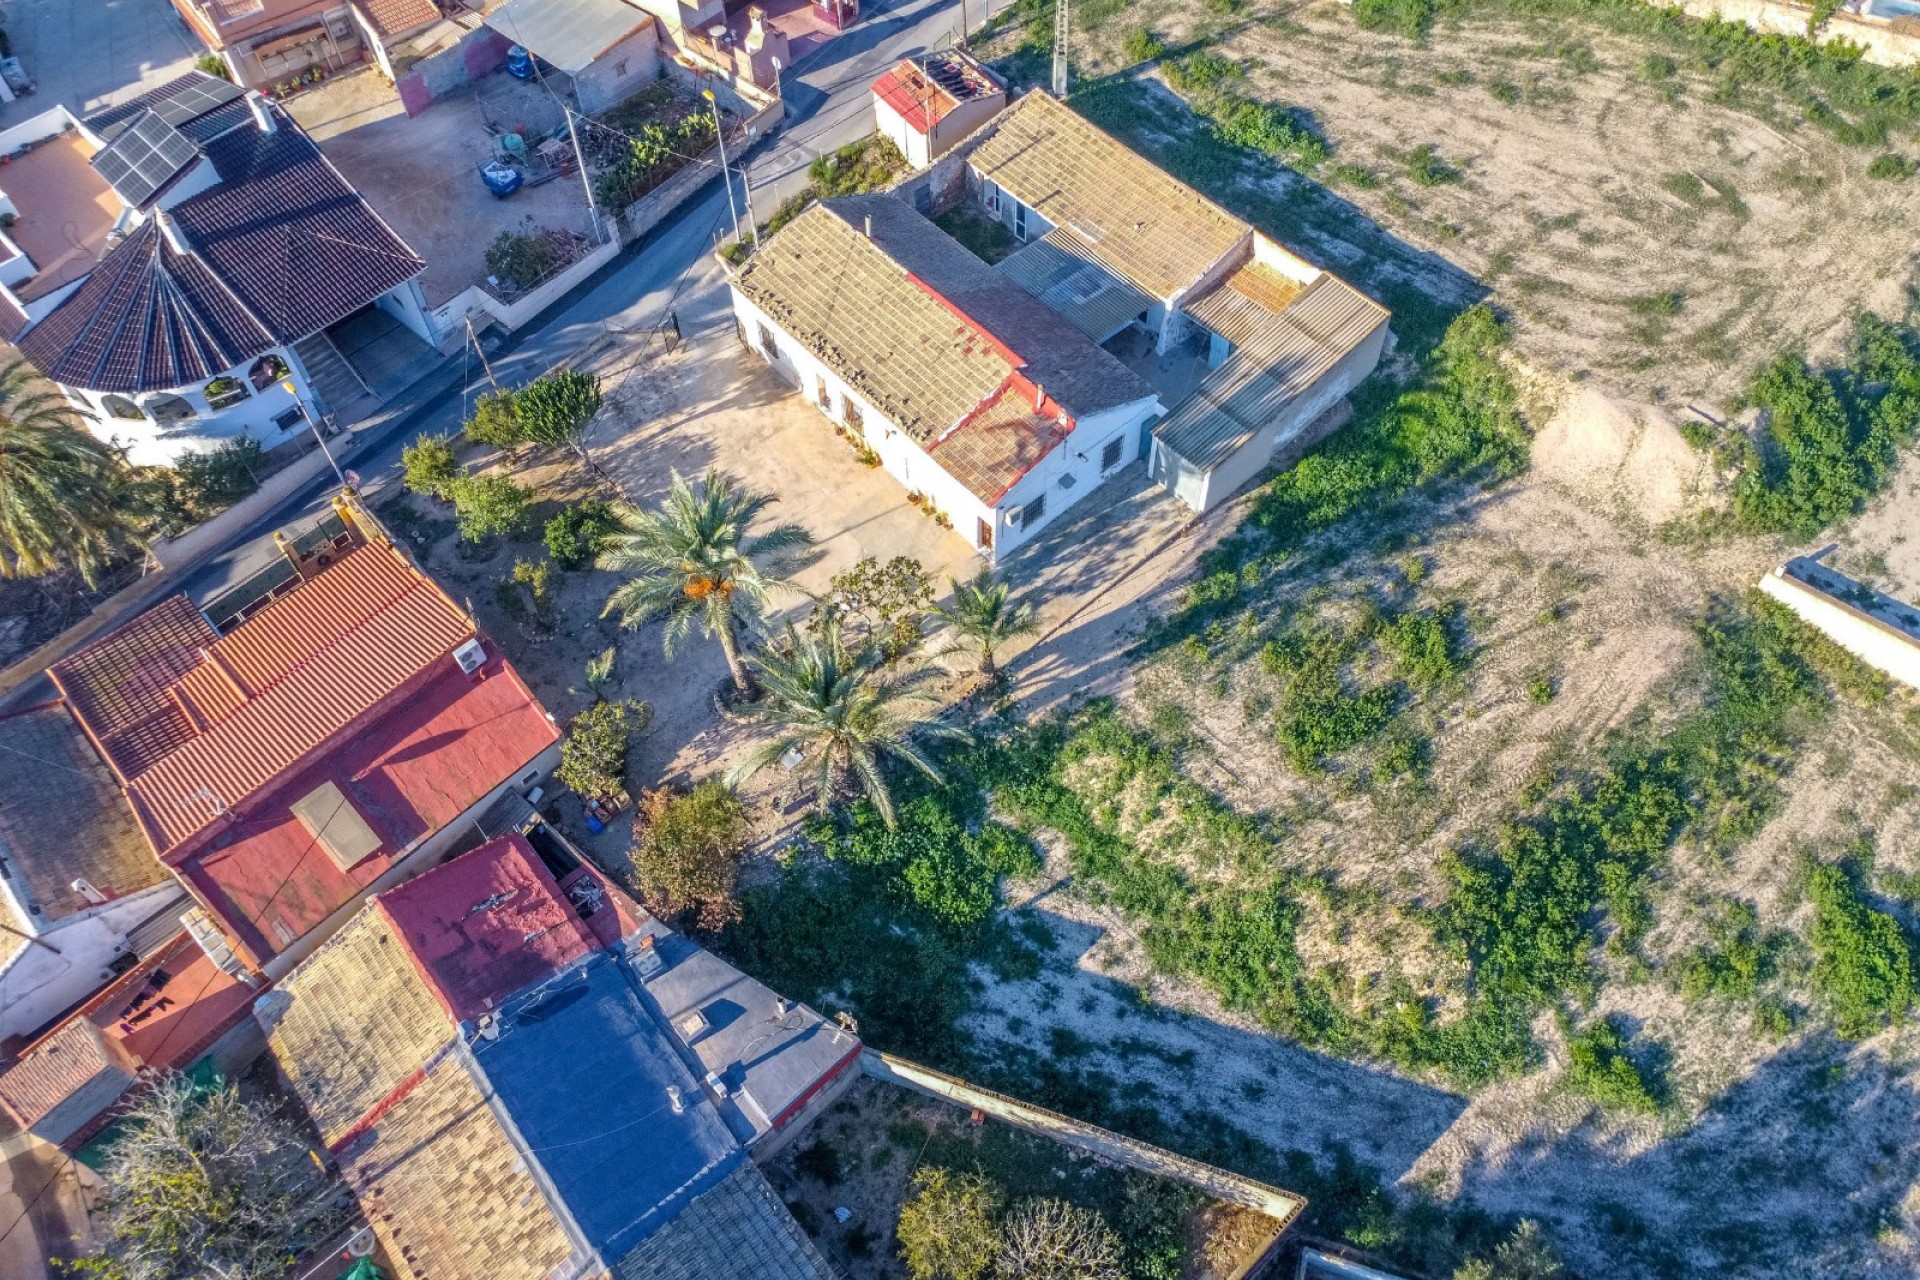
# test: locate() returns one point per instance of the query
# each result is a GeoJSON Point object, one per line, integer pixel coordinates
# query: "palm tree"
{"type": "Point", "coordinates": [57, 484]}
{"type": "Point", "coordinates": [842, 715]}
{"type": "Point", "coordinates": [983, 616]}
{"type": "Point", "coordinates": [694, 560]}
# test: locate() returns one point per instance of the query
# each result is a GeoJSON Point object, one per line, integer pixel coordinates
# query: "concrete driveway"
{"type": "Point", "coordinates": [90, 54]}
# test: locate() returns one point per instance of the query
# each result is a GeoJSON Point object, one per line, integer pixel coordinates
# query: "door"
{"type": "Point", "coordinates": [985, 539]}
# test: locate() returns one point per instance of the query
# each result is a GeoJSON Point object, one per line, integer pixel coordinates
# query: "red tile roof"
{"type": "Point", "coordinates": [444, 742]}
{"type": "Point", "coordinates": [391, 17]}
{"type": "Point", "coordinates": [908, 91]}
{"type": "Point", "coordinates": [287, 680]}
{"type": "Point", "coordinates": [121, 686]}
{"type": "Point", "coordinates": [487, 924]}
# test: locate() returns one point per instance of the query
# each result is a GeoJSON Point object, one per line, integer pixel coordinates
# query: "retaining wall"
{"type": "Point", "coordinates": [1887, 41]}
{"type": "Point", "coordinates": [1844, 611]}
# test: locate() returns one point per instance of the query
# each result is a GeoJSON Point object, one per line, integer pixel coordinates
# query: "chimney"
{"type": "Point", "coordinates": [1039, 397]}
{"type": "Point", "coordinates": [176, 238]}
{"type": "Point", "coordinates": [869, 226]}
{"type": "Point", "coordinates": [262, 113]}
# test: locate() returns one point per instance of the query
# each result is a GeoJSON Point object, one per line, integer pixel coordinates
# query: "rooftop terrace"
{"type": "Point", "coordinates": [64, 208]}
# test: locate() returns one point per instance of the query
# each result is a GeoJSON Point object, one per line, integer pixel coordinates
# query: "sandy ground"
{"type": "Point", "coordinates": [1593, 193]}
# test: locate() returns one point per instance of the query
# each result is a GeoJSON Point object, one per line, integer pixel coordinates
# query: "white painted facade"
{"type": "Point", "coordinates": [70, 962]}
{"type": "Point", "coordinates": [922, 148]}
{"type": "Point", "coordinates": [1071, 471]}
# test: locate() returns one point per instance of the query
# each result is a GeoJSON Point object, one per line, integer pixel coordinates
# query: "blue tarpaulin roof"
{"type": "Point", "coordinates": [583, 1070]}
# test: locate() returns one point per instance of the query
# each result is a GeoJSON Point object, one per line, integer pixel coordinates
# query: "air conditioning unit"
{"type": "Point", "coordinates": [471, 656]}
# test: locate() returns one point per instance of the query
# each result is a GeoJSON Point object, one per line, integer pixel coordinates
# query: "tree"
{"type": "Point", "coordinates": [983, 616]}
{"type": "Point", "coordinates": [1525, 1255]}
{"type": "Point", "coordinates": [489, 506]}
{"type": "Point", "coordinates": [430, 466]}
{"type": "Point", "coordinates": [495, 422]}
{"type": "Point", "coordinates": [593, 757]}
{"type": "Point", "coordinates": [686, 857]}
{"type": "Point", "coordinates": [694, 561]}
{"type": "Point", "coordinates": [888, 603]}
{"type": "Point", "coordinates": [599, 672]}
{"type": "Point", "coordinates": [946, 1228]}
{"type": "Point", "coordinates": [554, 409]}
{"type": "Point", "coordinates": [842, 715]}
{"type": "Point", "coordinates": [1054, 1240]}
{"type": "Point", "coordinates": [573, 537]}
{"type": "Point", "coordinates": [208, 1185]}
{"type": "Point", "coordinates": [57, 485]}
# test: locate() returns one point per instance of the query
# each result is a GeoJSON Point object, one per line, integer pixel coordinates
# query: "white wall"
{"type": "Point", "coordinates": [1879, 644]}
{"type": "Point", "coordinates": [36, 984]}
{"type": "Point", "coordinates": [149, 444]}
{"type": "Point", "coordinates": [906, 461]}
{"type": "Point", "coordinates": [893, 126]}
{"type": "Point", "coordinates": [50, 123]}
{"type": "Point", "coordinates": [620, 72]}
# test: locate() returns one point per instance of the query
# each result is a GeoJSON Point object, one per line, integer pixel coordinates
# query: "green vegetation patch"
{"type": "Point", "coordinates": [1598, 1068]}
{"type": "Point", "coordinates": [1863, 965]}
{"type": "Point", "coordinates": [1213, 87]}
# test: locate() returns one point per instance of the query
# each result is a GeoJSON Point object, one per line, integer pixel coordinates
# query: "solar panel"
{"type": "Point", "coordinates": [197, 100]}
{"type": "Point", "coordinates": [144, 157]}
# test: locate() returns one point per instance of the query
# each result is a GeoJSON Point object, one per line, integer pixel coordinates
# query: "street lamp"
{"type": "Point", "coordinates": [315, 428]}
{"type": "Point", "coordinates": [720, 132]}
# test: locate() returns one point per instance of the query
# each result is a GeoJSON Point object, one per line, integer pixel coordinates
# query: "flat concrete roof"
{"type": "Point", "coordinates": [66, 210]}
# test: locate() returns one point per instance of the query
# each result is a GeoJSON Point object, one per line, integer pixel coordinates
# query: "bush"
{"type": "Point", "coordinates": [593, 756]}
{"type": "Point", "coordinates": [946, 1229]}
{"type": "Point", "coordinates": [215, 480]}
{"type": "Point", "coordinates": [212, 64]}
{"type": "Point", "coordinates": [1890, 167]}
{"type": "Point", "coordinates": [1863, 969]}
{"type": "Point", "coordinates": [520, 260]}
{"type": "Point", "coordinates": [1734, 964]}
{"type": "Point", "coordinates": [686, 855]}
{"type": "Point", "coordinates": [1598, 1068]}
{"type": "Point", "coordinates": [494, 421]}
{"type": "Point", "coordinates": [1411, 18]}
{"type": "Point", "coordinates": [489, 506]}
{"type": "Point", "coordinates": [1210, 84]}
{"type": "Point", "coordinates": [574, 536]}
{"type": "Point", "coordinates": [1141, 45]}
{"type": "Point", "coordinates": [1054, 1240]}
{"type": "Point", "coordinates": [430, 466]}
{"type": "Point", "coordinates": [885, 605]}
{"type": "Point", "coordinates": [1421, 648]}
{"type": "Point", "coordinates": [527, 594]}
{"type": "Point", "coordinates": [554, 409]}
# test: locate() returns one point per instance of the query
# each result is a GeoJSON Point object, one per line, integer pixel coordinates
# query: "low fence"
{"type": "Point", "coordinates": [1283, 1207]}
{"type": "Point", "coordinates": [1889, 42]}
{"type": "Point", "coordinates": [209, 534]}
{"type": "Point", "coordinates": [485, 306]}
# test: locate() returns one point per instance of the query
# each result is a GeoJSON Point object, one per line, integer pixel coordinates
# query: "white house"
{"type": "Point", "coordinates": [976, 396]}
{"type": "Point", "coordinates": [1111, 242]}
{"type": "Point", "coordinates": [927, 104]}
{"type": "Point", "coordinates": [174, 265]}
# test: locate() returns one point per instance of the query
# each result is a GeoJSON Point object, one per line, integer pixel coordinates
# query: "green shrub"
{"type": "Point", "coordinates": [1141, 45]}
{"type": "Point", "coordinates": [212, 64]}
{"type": "Point", "coordinates": [1598, 1068]}
{"type": "Point", "coordinates": [686, 853]}
{"type": "Point", "coordinates": [1422, 648]}
{"type": "Point", "coordinates": [1425, 167]}
{"type": "Point", "coordinates": [1411, 18]}
{"type": "Point", "coordinates": [430, 466]}
{"type": "Point", "coordinates": [489, 506]}
{"type": "Point", "coordinates": [574, 536]}
{"type": "Point", "coordinates": [1734, 963]}
{"type": "Point", "coordinates": [555, 408]}
{"type": "Point", "coordinates": [521, 260]}
{"type": "Point", "coordinates": [1541, 691]}
{"type": "Point", "coordinates": [1808, 473]}
{"type": "Point", "coordinates": [593, 755]}
{"type": "Point", "coordinates": [1863, 968]}
{"type": "Point", "coordinates": [1890, 167]}
{"type": "Point", "coordinates": [215, 480]}
{"type": "Point", "coordinates": [1210, 84]}
{"type": "Point", "coordinates": [494, 421]}
{"type": "Point", "coordinates": [947, 1226]}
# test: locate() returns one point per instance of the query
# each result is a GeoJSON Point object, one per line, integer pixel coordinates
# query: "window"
{"type": "Point", "coordinates": [990, 195]}
{"type": "Point", "coordinates": [121, 407]}
{"type": "Point", "coordinates": [768, 343]}
{"type": "Point", "coordinates": [984, 536]}
{"type": "Point", "coordinates": [1034, 512]}
{"type": "Point", "coordinates": [826, 396]}
{"type": "Point", "coordinates": [167, 409]}
{"type": "Point", "coordinates": [268, 369]}
{"type": "Point", "coordinates": [850, 413]}
{"type": "Point", "coordinates": [1020, 221]}
{"type": "Point", "coordinates": [224, 392]}
{"type": "Point", "coordinates": [1110, 454]}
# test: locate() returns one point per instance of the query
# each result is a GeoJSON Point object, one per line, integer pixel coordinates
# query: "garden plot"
{"type": "Point", "coordinates": [1639, 232]}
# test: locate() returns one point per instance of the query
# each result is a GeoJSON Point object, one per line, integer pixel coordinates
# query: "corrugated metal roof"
{"type": "Point", "coordinates": [1136, 219]}
{"type": "Point", "coordinates": [1282, 356]}
{"type": "Point", "coordinates": [1060, 270]}
{"type": "Point", "coordinates": [570, 34]}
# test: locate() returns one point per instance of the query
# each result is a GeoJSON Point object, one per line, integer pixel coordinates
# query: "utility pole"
{"type": "Point", "coordinates": [481, 351]}
{"type": "Point", "coordinates": [318, 439]}
{"type": "Point", "coordinates": [1061, 29]}
{"type": "Point", "coordinates": [720, 133]}
{"type": "Point", "coordinates": [753, 223]}
{"type": "Point", "coordinates": [586, 179]}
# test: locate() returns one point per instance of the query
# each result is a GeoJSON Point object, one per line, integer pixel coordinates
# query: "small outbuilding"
{"type": "Point", "coordinates": [609, 49]}
{"type": "Point", "coordinates": [926, 104]}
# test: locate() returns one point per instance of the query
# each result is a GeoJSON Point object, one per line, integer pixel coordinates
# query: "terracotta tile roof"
{"type": "Point", "coordinates": [394, 624]}
{"type": "Point", "coordinates": [353, 1023]}
{"type": "Point", "coordinates": [485, 925]}
{"type": "Point", "coordinates": [1000, 444]}
{"type": "Point", "coordinates": [740, 1228]}
{"type": "Point", "coordinates": [925, 88]}
{"type": "Point", "coordinates": [392, 17]}
{"type": "Point", "coordinates": [121, 686]}
{"type": "Point", "coordinates": [1131, 216]}
{"type": "Point", "coordinates": [59, 1066]}
{"type": "Point", "coordinates": [911, 320]}
{"type": "Point", "coordinates": [63, 818]}
{"type": "Point", "coordinates": [282, 246]}
{"type": "Point", "coordinates": [449, 1195]}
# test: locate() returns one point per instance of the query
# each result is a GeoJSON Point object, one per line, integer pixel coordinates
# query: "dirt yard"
{"type": "Point", "coordinates": [1640, 234]}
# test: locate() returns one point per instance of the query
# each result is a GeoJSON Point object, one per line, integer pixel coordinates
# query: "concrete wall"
{"type": "Point", "coordinates": [204, 537]}
{"type": "Point", "coordinates": [450, 316]}
{"type": "Point", "coordinates": [36, 984]}
{"type": "Point", "coordinates": [1888, 42]}
{"type": "Point", "coordinates": [1881, 644]}
{"type": "Point", "coordinates": [480, 52]}
{"type": "Point", "coordinates": [646, 213]}
{"type": "Point", "coordinates": [620, 72]}
{"type": "Point", "coordinates": [893, 126]}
